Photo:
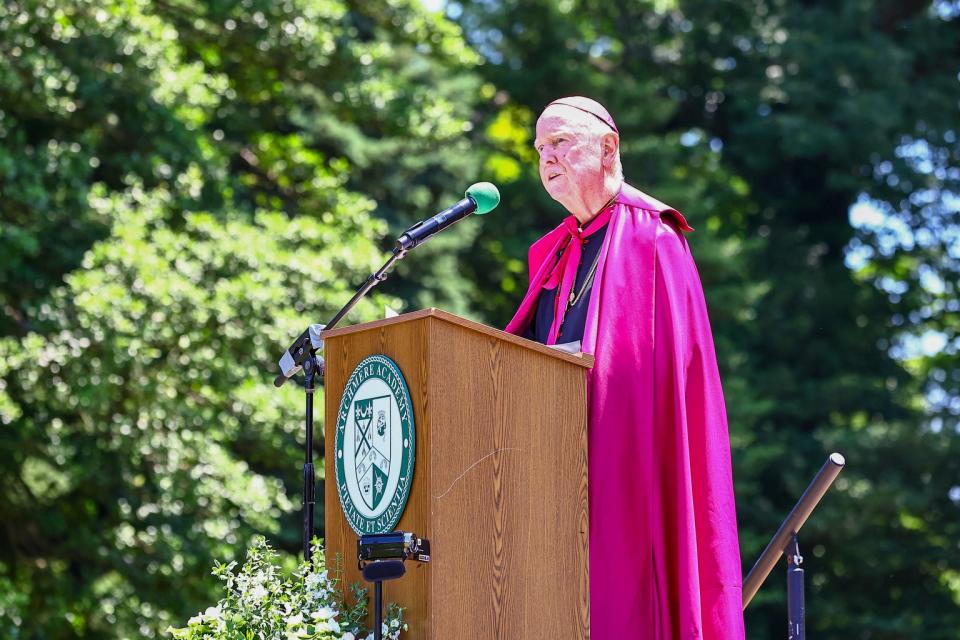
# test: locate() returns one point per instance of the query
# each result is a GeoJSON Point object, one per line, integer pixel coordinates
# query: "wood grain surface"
{"type": "Point", "coordinates": [500, 479]}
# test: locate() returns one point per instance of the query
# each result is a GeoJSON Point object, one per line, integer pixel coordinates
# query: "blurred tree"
{"type": "Point", "coordinates": [144, 438]}
{"type": "Point", "coordinates": [765, 122]}
{"type": "Point", "coordinates": [181, 195]}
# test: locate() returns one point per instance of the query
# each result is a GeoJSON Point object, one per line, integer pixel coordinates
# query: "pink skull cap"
{"type": "Point", "coordinates": [588, 105]}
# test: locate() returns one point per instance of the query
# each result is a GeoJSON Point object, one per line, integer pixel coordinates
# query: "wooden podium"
{"type": "Point", "coordinates": [499, 483]}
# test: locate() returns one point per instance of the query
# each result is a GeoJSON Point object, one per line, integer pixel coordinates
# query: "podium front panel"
{"type": "Point", "coordinates": [500, 480]}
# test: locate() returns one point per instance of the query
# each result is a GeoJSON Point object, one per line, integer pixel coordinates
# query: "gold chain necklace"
{"type": "Point", "coordinates": [575, 297]}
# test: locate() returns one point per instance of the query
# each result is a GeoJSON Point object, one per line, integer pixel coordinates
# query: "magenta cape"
{"type": "Point", "coordinates": [664, 556]}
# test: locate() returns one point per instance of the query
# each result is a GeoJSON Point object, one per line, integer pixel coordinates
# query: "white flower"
{"type": "Point", "coordinates": [322, 614]}
{"type": "Point", "coordinates": [294, 621]}
{"type": "Point", "coordinates": [258, 593]}
{"type": "Point", "coordinates": [212, 613]}
{"type": "Point", "coordinates": [347, 636]}
{"type": "Point", "coordinates": [394, 624]}
{"type": "Point", "coordinates": [313, 581]}
{"type": "Point", "coordinates": [195, 620]}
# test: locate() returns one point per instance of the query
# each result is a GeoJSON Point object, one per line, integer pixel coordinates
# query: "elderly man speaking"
{"type": "Point", "coordinates": [618, 276]}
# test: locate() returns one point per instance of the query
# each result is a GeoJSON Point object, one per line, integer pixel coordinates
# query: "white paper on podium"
{"type": "Point", "coordinates": [567, 347]}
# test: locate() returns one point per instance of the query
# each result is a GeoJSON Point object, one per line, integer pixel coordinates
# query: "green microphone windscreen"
{"type": "Point", "coordinates": [485, 195]}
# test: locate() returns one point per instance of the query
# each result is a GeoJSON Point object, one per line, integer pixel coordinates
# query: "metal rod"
{"type": "Point", "coordinates": [378, 610]}
{"type": "Point", "coordinates": [791, 526]}
{"type": "Point", "coordinates": [796, 625]}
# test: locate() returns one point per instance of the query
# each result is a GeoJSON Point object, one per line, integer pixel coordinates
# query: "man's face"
{"type": "Point", "coordinates": [570, 156]}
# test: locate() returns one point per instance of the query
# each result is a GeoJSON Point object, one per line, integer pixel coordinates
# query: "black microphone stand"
{"type": "Point", "coordinates": [304, 354]}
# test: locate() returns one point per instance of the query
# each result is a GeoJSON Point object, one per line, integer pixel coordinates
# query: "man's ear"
{"type": "Point", "coordinates": [610, 144]}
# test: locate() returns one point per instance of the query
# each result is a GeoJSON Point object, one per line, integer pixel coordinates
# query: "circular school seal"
{"type": "Point", "coordinates": [374, 446]}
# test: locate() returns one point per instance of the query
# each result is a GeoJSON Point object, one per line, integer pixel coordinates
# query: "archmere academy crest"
{"type": "Point", "coordinates": [375, 446]}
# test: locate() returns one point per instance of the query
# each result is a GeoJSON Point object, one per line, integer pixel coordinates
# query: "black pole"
{"type": "Point", "coordinates": [795, 605]}
{"type": "Point", "coordinates": [310, 366]}
{"type": "Point", "coordinates": [378, 610]}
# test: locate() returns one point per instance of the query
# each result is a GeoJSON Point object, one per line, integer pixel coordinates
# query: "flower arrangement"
{"type": "Point", "coordinates": [264, 603]}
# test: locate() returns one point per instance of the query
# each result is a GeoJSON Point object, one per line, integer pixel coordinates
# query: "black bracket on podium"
{"type": "Point", "coordinates": [381, 557]}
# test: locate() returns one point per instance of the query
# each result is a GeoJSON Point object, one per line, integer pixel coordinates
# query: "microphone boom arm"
{"type": "Point", "coordinates": [308, 343]}
{"type": "Point", "coordinates": [480, 198]}
{"type": "Point", "coordinates": [375, 278]}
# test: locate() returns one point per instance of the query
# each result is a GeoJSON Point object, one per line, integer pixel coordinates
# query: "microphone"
{"type": "Point", "coordinates": [481, 198]}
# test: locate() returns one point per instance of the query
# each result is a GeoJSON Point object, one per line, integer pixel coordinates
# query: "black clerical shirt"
{"type": "Point", "coordinates": [576, 317]}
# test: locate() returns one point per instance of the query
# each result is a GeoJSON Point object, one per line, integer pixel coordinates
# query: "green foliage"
{"type": "Point", "coordinates": [144, 437]}
{"type": "Point", "coordinates": [260, 96]}
{"type": "Point", "coordinates": [262, 602]}
{"type": "Point", "coordinates": [179, 201]}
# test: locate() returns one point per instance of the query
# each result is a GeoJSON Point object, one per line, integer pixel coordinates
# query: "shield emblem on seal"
{"type": "Point", "coordinates": [372, 417]}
